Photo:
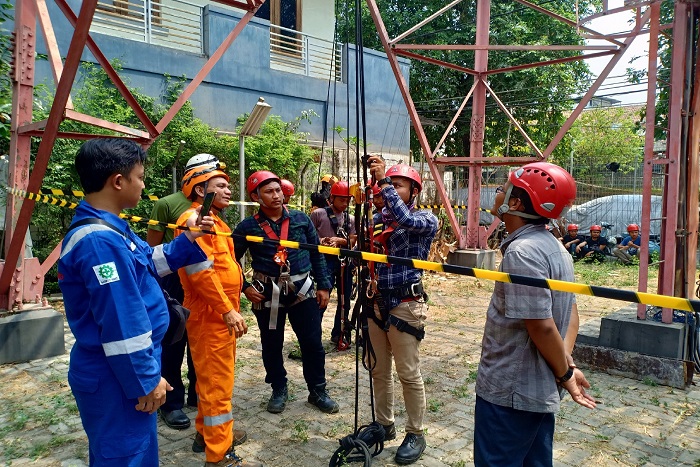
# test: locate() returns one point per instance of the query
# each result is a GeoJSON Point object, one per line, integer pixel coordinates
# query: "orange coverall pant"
{"type": "Point", "coordinates": [212, 288]}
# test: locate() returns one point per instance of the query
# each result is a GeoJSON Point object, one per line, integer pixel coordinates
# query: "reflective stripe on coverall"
{"type": "Point", "coordinates": [212, 288]}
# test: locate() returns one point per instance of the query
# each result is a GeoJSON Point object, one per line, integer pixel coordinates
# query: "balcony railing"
{"type": "Point", "coordinates": [301, 53]}
{"type": "Point", "coordinates": [178, 24]}
{"type": "Point", "coordinates": [168, 23]}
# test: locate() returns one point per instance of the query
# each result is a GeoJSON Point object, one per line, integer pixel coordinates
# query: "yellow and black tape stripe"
{"type": "Point", "coordinates": [645, 298]}
{"type": "Point", "coordinates": [80, 194]}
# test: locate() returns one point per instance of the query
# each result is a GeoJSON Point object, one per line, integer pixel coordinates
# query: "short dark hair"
{"type": "Point", "coordinates": [99, 159]}
{"type": "Point", "coordinates": [524, 198]}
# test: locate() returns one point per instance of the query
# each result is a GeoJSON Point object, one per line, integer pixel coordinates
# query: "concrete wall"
{"type": "Point", "coordinates": [244, 74]}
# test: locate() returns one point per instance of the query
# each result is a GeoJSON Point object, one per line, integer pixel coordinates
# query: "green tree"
{"type": "Point", "coordinates": [5, 81]}
{"type": "Point", "coordinates": [604, 136]}
{"type": "Point", "coordinates": [538, 97]}
{"type": "Point", "coordinates": [279, 146]}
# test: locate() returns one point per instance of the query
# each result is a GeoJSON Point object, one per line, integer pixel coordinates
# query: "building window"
{"type": "Point", "coordinates": [287, 14]}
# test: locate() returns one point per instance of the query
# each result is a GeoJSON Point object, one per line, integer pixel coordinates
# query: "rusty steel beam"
{"type": "Point", "coordinates": [86, 136]}
{"type": "Point", "coordinates": [592, 90]}
{"type": "Point", "coordinates": [454, 120]}
{"type": "Point", "coordinates": [413, 115]}
{"type": "Point", "coordinates": [693, 180]}
{"type": "Point", "coordinates": [111, 73]}
{"type": "Point", "coordinates": [16, 240]}
{"type": "Point", "coordinates": [561, 18]}
{"type": "Point", "coordinates": [197, 80]}
{"type": "Point", "coordinates": [424, 22]}
{"type": "Point", "coordinates": [458, 161]}
{"type": "Point", "coordinates": [515, 122]}
{"type": "Point", "coordinates": [477, 126]}
{"type": "Point", "coordinates": [546, 63]}
{"type": "Point", "coordinates": [434, 61]}
{"type": "Point", "coordinates": [51, 44]}
{"type": "Point", "coordinates": [647, 170]}
{"type": "Point", "coordinates": [509, 48]}
{"type": "Point", "coordinates": [22, 76]}
{"type": "Point", "coordinates": [104, 124]}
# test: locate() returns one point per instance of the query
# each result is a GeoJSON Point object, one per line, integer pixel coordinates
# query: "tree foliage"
{"type": "Point", "coordinates": [538, 97]}
{"type": "Point", "coordinates": [5, 81]}
{"type": "Point", "coordinates": [278, 147]}
{"type": "Point", "coordinates": [605, 136]}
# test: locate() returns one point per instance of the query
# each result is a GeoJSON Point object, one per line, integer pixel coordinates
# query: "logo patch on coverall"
{"type": "Point", "coordinates": [106, 273]}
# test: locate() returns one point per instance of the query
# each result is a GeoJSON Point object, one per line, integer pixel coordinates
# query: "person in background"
{"type": "Point", "coordinates": [595, 245]}
{"type": "Point", "coordinates": [572, 239]}
{"type": "Point", "coordinates": [320, 199]}
{"type": "Point", "coordinates": [115, 306]}
{"type": "Point", "coordinates": [336, 228]}
{"type": "Point", "coordinates": [213, 293]}
{"type": "Point", "coordinates": [630, 246]}
{"type": "Point", "coordinates": [282, 286]}
{"type": "Point", "coordinates": [169, 209]}
{"type": "Point", "coordinates": [287, 190]}
{"type": "Point", "coordinates": [377, 198]}
{"type": "Point", "coordinates": [397, 326]}
{"type": "Point", "coordinates": [526, 364]}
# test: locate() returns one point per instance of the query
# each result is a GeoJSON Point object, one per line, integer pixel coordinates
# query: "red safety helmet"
{"type": "Point", "coordinates": [201, 168]}
{"type": "Point", "coordinates": [287, 187]}
{"type": "Point", "coordinates": [376, 190]}
{"type": "Point", "coordinates": [258, 178]}
{"type": "Point", "coordinates": [406, 171]}
{"type": "Point", "coordinates": [571, 227]}
{"type": "Point", "coordinates": [552, 189]}
{"type": "Point", "coordinates": [632, 227]}
{"type": "Point", "coordinates": [340, 189]}
{"type": "Point", "coordinates": [596, 228]}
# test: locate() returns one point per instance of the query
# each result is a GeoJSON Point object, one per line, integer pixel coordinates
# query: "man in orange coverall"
{"type": "Point", "coordinates": [212, 293]}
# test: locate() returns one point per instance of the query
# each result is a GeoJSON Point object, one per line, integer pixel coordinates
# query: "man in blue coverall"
{"type": "Point", "coordinates": [115, 307]}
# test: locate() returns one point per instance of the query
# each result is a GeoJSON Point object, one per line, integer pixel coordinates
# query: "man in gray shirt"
{"type": "Point", "coordinates": [530, 331]}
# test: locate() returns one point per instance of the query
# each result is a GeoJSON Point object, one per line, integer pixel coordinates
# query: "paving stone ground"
{"type": "Point", "coordinates": [636, 424]}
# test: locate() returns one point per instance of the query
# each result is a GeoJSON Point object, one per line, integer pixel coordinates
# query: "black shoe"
{"type": "Point", "coordinates": [278, 400]}
{"type": "Point", "coordinates": [411, 449]}
{"type": "Point", "coordinates": [199, 445]}
{"type": "Point", "coordinates": [389, 432]}
{"type": "Point", "coordinates": [176, 419]}
{"type": "Point", "coordinates": [319, 397]}
{"type": "Point", "coordinates": [232, 460]}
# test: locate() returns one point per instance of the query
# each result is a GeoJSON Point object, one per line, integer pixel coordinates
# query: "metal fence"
{"type": "Point", "coordinates": [297, 52]}
{"type": "Point", "coordinates": [168, 23]}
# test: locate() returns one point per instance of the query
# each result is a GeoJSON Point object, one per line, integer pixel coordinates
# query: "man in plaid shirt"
{"type": "Point", "coordinates": [400, 310]}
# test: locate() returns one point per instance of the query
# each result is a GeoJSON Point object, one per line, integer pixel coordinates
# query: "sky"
{"type": "Point", "coordinates": [615, 86]}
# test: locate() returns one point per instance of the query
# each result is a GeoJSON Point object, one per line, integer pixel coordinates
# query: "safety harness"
{"type": "Point", "coordinates": [283, 284]}
{"type": "Point", "coordinates": [341, 232]}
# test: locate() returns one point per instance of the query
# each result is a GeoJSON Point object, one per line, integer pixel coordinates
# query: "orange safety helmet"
{"type": "Point", "coordinates": [199, 169]}
{"type": "Point", "coordinates": [260, 177]}
{"type": "Point", "coordinates": [632, 227]}
{"type": "Point", "coordinates": [340, 189]}
{"type": "Point", "coordinates": [287, 187]}
{"type": "Point", "coordinates": [596, 228]}
{"type": "Point", "coordinates": [406, 171]}
{"type": "Point", "coordinates": [552, 189]}
{"type": "Point", "coordinates": [328, 178]}
{"type": "Point", "coordinates": [571, 227]}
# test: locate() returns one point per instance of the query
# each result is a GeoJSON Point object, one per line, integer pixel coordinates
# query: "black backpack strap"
{"type": "Point", "coordinates": [332, 217]}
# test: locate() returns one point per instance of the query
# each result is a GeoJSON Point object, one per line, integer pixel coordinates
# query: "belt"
{"type": "Point", "coordinates": [411, 291]}
{"type": "Point", "coordinates": [283, 283]}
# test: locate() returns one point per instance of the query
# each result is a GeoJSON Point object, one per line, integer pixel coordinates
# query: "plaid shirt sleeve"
{"type": "Point", "coordinates": [415, 222]}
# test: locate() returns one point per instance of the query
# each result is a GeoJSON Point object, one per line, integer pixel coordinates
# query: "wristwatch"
{"type": "Point", "coordinates": [567, 376]}
{"type": "Point", "coordinates": [384, 181]}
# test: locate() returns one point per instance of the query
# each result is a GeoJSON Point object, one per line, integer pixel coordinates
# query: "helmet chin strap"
{"type": "Point", "coordinates": [505, 209]}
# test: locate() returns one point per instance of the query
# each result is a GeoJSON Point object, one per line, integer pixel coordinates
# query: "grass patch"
{"type": "Point", "coordinates": [610, 274]}
{"type": "Point", "coordinates": [300, 431]}
{"type": "Point", "coordinates": [434, 405]}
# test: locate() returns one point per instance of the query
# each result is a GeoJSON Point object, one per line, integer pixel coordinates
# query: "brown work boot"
{"type": "Point", "coordinates": [199, 445]}
{"type": "Point", "coordinates": [232, 460]}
